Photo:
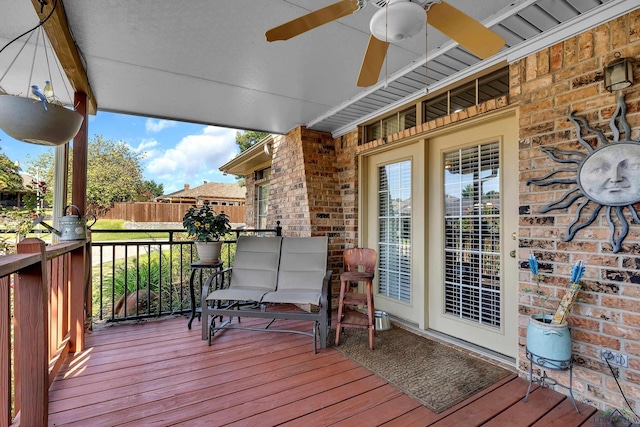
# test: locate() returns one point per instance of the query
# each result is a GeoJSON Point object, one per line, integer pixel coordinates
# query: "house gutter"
{"type": "Point", "coordinates": [255, 155]}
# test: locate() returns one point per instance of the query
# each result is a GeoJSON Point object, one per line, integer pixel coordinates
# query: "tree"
{"type": "Point", "coordinates": [151, 190]}
{"type": "Point", "coordinates": [17, 221]}
{"type": "Point", "coordinates": [10, 179]}
{"type": "Point", "coordinates": [114, 172]}
{"type": "Point", "coordinates": [246, 139]}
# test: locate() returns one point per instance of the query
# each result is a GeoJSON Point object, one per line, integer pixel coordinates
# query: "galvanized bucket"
{"type": "Point", "coordinates": [74, 227]}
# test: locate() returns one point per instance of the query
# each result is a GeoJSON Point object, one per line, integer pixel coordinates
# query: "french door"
{"type": "Point", "coordinates": [394, 205]}
{"type": "Point", "coordinates": [473, 176]}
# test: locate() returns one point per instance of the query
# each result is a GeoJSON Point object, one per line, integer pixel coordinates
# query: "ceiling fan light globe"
{"type": "Point", "coordinates": [397, 21]}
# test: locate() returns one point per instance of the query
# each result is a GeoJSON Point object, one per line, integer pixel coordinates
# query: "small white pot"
{"type": "Point", "coordinates": [209, 252]}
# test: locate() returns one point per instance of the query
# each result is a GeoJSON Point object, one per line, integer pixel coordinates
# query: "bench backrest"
{"type": "Point", "coordinates": [303, 263]}
{"type": "Point", "coordinates": [256, 262]}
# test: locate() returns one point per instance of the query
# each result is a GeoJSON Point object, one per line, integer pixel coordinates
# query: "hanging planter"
{"type": "Point", "coordinates": [26, 120]}
{"type": "Point", "coordinates": [42, 119]}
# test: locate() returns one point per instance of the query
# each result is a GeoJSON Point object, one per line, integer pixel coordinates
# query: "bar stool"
{"type": "Point", "coordinates": [359, 266]}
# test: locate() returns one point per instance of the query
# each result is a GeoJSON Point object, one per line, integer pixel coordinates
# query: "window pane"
{"type": "Point", "coordinates": [390, 125]}
{"type": "Point", "coordinates": [436, 107]}
{"type": "Point", "coordinates": [463, 97]}
{"type": "Point", "coordinates": [262, 204]}
{"type": "Point", "coordinates": [394, 233]}
{"type": "Point", "coordinates": [373, 132]}
{"type": "Point", "coordinates": [472, 234]}
{"type": "Point", "coordinates": [407, 118]}
{"type": "Point", "coordinates": [494, 85]}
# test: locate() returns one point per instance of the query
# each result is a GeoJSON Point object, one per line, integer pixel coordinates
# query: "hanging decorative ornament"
{"type": "Point", "coordinates": [37, 116]}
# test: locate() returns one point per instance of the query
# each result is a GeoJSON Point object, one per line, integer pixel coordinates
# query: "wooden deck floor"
{"type": "Point", "coordinates": [160, 373]}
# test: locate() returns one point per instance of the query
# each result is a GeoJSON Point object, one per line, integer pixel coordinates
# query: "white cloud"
{"type": "Point", "coordinates": [153, 126]}
{"type": "Point", "coordinates": [144, 145]}
{"type": "Point", "coordinates": [195, 159]}
{"type": "Point", "coordinates": [145, 148]}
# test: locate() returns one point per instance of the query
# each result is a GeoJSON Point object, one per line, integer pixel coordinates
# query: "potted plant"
{"type": "Point", "coordinates": [548, 335]}
{"type": "Point", "coordinates": [206, 228]}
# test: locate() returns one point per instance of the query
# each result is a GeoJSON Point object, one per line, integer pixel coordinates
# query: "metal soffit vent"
{"type": "Point", "coordinates": [526, 22]}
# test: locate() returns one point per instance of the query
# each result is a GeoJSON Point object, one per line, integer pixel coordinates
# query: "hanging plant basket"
{"type": "Point", "coordinates": [26, 120]}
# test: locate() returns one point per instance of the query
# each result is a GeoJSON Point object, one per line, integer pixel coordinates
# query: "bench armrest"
{"type": "Point", "coordinates": [325, 297]}
{"type": "Point", "coordinates": [206, 288]}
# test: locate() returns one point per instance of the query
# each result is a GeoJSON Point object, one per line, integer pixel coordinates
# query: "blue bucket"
{"type": "Point", "coordinates": [549, 344]}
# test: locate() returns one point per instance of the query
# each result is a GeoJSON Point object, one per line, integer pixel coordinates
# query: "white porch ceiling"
{"type": "Point", "coordinates": [207, 61]}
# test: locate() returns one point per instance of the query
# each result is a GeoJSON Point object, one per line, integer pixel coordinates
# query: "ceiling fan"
{"type": "Point", "coordinates": [397, 20]}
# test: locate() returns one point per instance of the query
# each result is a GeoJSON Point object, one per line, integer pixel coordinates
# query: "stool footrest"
{"type": "Point", "coordinates": [355, 318]}
{"type": "Point", "coordinates": [355, 298]}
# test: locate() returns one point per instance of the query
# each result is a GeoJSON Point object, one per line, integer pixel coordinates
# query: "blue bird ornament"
{"type": "Point", "coordinates": [37, 94]}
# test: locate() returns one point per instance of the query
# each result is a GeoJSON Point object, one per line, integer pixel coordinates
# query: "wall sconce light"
{"type": "Point", "coordinates": [618, 74]}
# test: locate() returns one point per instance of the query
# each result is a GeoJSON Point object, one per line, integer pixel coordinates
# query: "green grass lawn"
{"type": "Point", "coordinates": [113, 224]}
{"type": "Point", "coordinates": [117, 224]}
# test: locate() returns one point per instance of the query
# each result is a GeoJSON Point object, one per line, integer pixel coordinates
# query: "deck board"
{"type": "Point", "coordinates": [159, 373]}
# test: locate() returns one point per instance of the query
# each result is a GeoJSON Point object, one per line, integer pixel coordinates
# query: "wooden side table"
{"type": "Point", "coordinates": [197, 268]}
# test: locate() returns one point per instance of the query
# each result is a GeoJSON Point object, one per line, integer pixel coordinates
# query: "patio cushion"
{"type": "Point", "coordinates": [237, 293]}
{"type": "Point", "coordinates": [255, 269]}
{"type": "Point", "coordinates": [293, 297]}
{"type": "Point", "coordinates": [303, 265]}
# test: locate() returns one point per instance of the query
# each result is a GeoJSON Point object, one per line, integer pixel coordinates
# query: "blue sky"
{"type": "Point", "coordinates": [175, 153]}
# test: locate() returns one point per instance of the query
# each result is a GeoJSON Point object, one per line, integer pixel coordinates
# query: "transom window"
{"type": "Point", "coordinates": [389, 125]}
{"type": "Point", "coordinates": [476, 92]}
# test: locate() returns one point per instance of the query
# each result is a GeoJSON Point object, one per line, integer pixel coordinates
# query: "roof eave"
{"type": "Point", "coordinates": [252, 159]}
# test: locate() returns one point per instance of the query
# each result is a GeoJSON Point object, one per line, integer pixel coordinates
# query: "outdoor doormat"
{"type": "Point", "coordinates": [435, 375]}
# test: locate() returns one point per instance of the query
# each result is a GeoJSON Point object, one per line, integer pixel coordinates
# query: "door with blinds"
{"type": "Point", "coordinates": [473, 176]}
{"type": "Point", "coordinates": [393, 200]}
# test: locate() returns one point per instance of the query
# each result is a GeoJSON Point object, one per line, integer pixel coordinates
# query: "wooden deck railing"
{"type": "Point", "coordinates": [42, 300]}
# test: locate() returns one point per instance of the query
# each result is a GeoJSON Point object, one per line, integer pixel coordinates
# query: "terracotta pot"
{"type": "Point", "coordinates": [26, 120]}
{"type": "Point", "coordinates": [209, 252]}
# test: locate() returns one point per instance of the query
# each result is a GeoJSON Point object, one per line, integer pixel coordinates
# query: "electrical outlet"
{"type": "Point", "coordinates": [614, 358]}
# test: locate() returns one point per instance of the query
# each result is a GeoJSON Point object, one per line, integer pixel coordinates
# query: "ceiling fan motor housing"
{"type": "Point", "coordinates": [399, 20]}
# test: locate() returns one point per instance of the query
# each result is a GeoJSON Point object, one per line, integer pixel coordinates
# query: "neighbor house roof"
{"type": "Point", "coordinates": [208, 191]}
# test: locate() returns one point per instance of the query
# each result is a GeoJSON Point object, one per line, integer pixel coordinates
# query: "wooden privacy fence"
{"type": "Point", "coordinates": [165, 212]}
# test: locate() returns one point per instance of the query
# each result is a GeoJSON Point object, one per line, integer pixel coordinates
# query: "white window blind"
{"type": "Point", "coordinates": [472, 234]}
{"type": "Point", "coordinates": [394, 233]}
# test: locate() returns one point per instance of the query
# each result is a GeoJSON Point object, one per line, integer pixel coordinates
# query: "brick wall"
{"type": "Point", "coordinates": [288, 198]}
{"type": "Point", "coordinates": [314, 190]}
{"type": "Point", "coordinates": [305, 194]}
{"type": "Point", "coordinates": [347, 160]}
{"type": "Point", "coordinates": [250, 215]}
{"type": "Point", "coordinates": [549, 85]}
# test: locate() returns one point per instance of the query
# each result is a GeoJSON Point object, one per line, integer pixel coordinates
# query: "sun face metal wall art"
{"type": "Point", "coordinates": [608, 175]}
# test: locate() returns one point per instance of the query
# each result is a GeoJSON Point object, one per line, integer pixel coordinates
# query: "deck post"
{"type": "Point", "coordinates": [5, 342]}
{"type": "Point", "coordinates": [79, 199]}
{"type": "Point", "coordinates": [77, 299]}
{"type": "Point", "coordinates": [31, 337]}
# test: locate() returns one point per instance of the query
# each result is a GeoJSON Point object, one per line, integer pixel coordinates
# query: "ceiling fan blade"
{"type": "Point", "coordinates": [372, 62]}
{"type": "Point", "coordinates": [465, 30]}
{"type": "Point", "coordinates": [312, 20]}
